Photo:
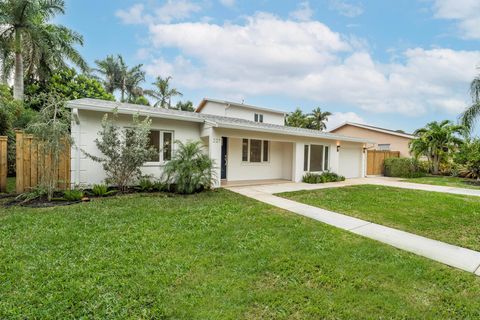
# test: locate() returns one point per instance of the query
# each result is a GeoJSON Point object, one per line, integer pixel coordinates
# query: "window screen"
{"type": "Point", "coordinates": [325, 168]}
{"type": "Point", "coordinates": [255, 150]}
{"type": "Point", "coordinates": [167, 146]}
{"type": "Point", "coordinates": [316, 157]}
{"type": "Point", "coordinates": [155, 143]}
{"type": "Point", "coordinates": [305, 158]}
{"type": "Point", "coordinates": [265, 150]}
{"type": "Point", "coordinates": [245, 150]}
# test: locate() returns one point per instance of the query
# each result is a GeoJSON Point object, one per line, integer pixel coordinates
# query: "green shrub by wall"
{"type": "Point", "coordinates": [322, 178]}
{"type": "Point", "coordinates": [404, 168]}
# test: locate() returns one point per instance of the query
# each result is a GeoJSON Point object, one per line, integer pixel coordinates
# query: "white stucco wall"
{"type": "Point", "coordinates": [242, 112]}
{"type": "Point", "coordinates": [86, 171]}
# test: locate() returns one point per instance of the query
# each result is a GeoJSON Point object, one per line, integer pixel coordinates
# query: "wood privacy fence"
{"type": "Point", "coordinates": [3, 163]}
{"type": "Point", "coordinates": [32, 164]}
{"type": "Point", "coordinates": [375, 160]}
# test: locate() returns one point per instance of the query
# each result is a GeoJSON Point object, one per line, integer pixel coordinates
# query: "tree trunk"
{"type": "Point", "coordinates": [436, 164]}
{"type": "Point", "coordinates": [18, 81]}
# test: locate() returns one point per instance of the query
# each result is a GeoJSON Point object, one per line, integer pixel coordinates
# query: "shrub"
{"type": "Point", "coordinates": [324, 177]}
{"type": "Point", "coordinates": [146, 184]}
{"type": "Point", "coordinates": [404, 168]}
{"type": "Point", "coordinates": [124, 150]}
{"type": "Point", "coordinates": [101, 190]}
{"type": "Point", "coordinates": [73, 195]}
{"type": "Point", "coordinates": [468, 158]}
{"type": "Point", "coordinates": [190, 170]}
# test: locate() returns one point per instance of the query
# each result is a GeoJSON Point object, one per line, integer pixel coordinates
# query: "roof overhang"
{"type": "Point", "coordinates": [204, 101]}
{"type": "Point", "coordinates": [359, 125]}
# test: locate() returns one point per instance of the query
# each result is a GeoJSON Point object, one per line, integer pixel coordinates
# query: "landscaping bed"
{"type": "Point", "coordinates": [211, 255]}
{"type": "Point", "coordinates": [454, 219]}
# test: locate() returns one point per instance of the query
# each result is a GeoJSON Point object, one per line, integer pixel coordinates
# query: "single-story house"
{"type": "Point", "coordinates": [385, 139]}
{"type": "Point", "coordinates": [246, 142]}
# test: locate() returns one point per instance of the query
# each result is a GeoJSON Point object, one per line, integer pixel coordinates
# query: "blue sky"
{"type": "Point", "coordinates": [396, 64]}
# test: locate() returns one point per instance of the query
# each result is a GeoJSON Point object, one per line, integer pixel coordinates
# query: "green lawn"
{"type": "Point", "coordinates": [447, 181]}
{"type": "Point", "coordinates": [11, 184]}
{"type": "Point", "coordinates": [214, 255]}
{"type": "Point", "coordinates": [450, 218]}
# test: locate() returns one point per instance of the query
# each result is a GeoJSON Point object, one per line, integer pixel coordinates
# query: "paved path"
{"type": "Point", "coordinates": [458, 257]}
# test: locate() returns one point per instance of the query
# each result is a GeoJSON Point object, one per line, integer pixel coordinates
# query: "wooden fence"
{"type": "Point", "coordinates": [375, 160]}
{"type": "Point", "coordinates": [3, 163]}
{"type": "Point", "coordinates": [32, 163]}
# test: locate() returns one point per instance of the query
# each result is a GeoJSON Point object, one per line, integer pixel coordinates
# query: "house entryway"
{"type": "Point", "coordinates": [223, 169]}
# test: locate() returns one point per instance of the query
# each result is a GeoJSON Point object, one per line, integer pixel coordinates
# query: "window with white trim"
{"type": "Point", "coordinates": [162, 142]}
{"type": "Point", "coordinates": [384, 147]}
{"type": "Point", "coordinates": [258, 117]}
{"type": "Point", "coordinates": [316, 158]}
{"type": "Point", "coordinates": [255, 151]}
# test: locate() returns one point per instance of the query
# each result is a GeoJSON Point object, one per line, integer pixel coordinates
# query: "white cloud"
{"type": "Point", "coordinates": [345, 8]}
{"type": "Point", "coordinates": [465, 12]}
{"type": "Point", "coordinates": [267, 55]}
{"type": "Point", "coordinates": [337, 118]}
{"type": "Point", "coordinates": [228, 3]}
{"type": "Point", "coordinates": [172, 10]}
{"type": "Point", "coordinates": [303, 12]}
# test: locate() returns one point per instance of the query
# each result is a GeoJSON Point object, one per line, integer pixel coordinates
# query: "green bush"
{"type": "Point", "coordinates": [73, 195]}
{"type": "Point", "coordinates": [146, 184]}
{"type": "Point", "coordinates": [404, 168]}
{"type": "Point", "coordinates": [322, 178]}
{"type": "Point", "coordinates": [190, 170]}
{"type": "Point", "coordinates": [101, 190]}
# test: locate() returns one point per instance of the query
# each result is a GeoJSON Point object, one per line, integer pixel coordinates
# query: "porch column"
{"type": "Point", "coordinates": [297, 161]}
{"type": "Point", "coordinates": [215, 153]}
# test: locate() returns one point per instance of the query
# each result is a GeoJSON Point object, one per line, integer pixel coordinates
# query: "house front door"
{"type": "Point", "coordinates": [224, 158]}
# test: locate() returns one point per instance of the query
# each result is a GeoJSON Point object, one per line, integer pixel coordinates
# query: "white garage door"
{"type": "Point", "coordinates": [350, 162]}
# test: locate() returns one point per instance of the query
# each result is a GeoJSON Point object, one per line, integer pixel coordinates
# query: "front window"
{"type": "Point", "coordinates": [255, 151]}
{"type": "Point", "coordinates": [316, 158]}
{"type": "Point", "coordinates": [162, 142]}
{"type": "Point", "coordinates": [384, 147]}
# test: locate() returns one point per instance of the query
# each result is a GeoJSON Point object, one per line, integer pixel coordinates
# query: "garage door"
{"type": "Point", "coordinates": [350, 162]}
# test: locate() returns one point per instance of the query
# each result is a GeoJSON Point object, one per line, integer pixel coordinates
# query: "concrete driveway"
{"type": "Point", "coordinates": [458, 257]}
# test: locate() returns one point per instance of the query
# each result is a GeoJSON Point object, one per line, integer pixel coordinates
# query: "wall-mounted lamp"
{"type": "Point", "coordinates": [338, 147]}
{"type": "Point", "coordinates": [364, 149]}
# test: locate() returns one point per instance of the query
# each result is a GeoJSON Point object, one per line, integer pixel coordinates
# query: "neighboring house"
{"type": "Point", "coordinates": [385, 139]}
{"type": "Point", "coordinates": [246, 142]}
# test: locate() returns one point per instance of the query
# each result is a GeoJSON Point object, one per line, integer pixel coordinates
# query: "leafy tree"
{"type": "Point", "coordinates": [35, 46]}
{"type": "Point", "coordinates": [297, 119]}
{"type": "Point", "coordinates": [69, 85]}
{"type": "Point", "coordinates": [191, 169]}
{"type": "Point", "coordinates": [185, 106]}
{"type": "Point", "coordinates": [140, 100]}
{"type": "Point", "coordinates": [124, 150]}
{"type": "Point", "coordinates": [468, 158]}
{"type": "Point", "coordinates": [52, 129]}
{"type": "Point", "coordinates": [436, 141]}
{"type": "Point", "coordinates": [471, 114]}
{"type": "Point", "coordinates": [320, 118]}
{"type": "Point", "coordinates": [163, 93]}
{"type": "Point", "coordinates": [109, 70]}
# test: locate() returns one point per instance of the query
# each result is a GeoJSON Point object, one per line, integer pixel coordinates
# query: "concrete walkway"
{"type": "Point", "coordinates": [458, 257]}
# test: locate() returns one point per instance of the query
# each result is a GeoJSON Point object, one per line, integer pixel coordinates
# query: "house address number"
{"type": "Point", "coordinates": [217, 140]}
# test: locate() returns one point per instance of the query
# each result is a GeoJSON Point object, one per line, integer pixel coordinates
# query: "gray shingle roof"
{"type": "Point", "coordinates": [219, 121]}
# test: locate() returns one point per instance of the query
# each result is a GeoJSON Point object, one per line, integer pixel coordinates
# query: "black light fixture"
{"type": "Point", "coordinates": [338, 147]}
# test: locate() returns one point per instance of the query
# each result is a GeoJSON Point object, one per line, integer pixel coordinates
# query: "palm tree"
{"type": "Point", "coordinates": [32, 43]}
{"type": "Point", "coordinates": [469, 116]}
{"type": "Point", "coordinates": [109, 69]}
{"type": "Point", "coordinates": [134, 77]}
{"type": "Point", "coordinates": [319, 118]}
{"type": "Point", "coordinates": [163, 93]}
{"type": "Point", "coordinates": [297, 119]}
{"type": "Point", "coordinates": [436, 140]}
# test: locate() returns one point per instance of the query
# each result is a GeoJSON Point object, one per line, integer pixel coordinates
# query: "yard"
{"type": "Point", "coordinates": [454, 219]}
{"type": "Point", "coordinates": [212, 255]}
{"type": "Point", "coordinates": [447, 181]}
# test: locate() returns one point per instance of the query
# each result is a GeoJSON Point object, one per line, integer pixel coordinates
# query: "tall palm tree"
{"type": "Point", "coordinates": [163, 93]}
{"type": "Point", "coordinates": [436, 140]}
{"type": "Point", "coordinates": [472, 113]}
{"type": "Point", "coordinates": [320, 118]}
{"type": "Point", "coordinates": [109, 70]}
{"type": "Point", "coordinates": [30, 41]}
{"type": "Point", "coordinates": [131, 83]}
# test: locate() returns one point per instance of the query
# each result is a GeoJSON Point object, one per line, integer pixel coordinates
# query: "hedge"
{"type": "Point", "coordinates": [322, 178]}
{"type": "Point", "coordinates": [404, 168]}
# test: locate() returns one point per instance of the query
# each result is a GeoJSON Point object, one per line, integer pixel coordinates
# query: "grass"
{"type": "Point", "coordinates": [446, 217]}
{"type": "Point", "coordinates": [10, 184]}
{"type": "Point", "coordinates": [447, 181]}
{"type": "Point", "coordinates": [214, 255]}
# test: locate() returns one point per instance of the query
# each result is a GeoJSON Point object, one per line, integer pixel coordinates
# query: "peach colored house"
{"type": "Point", "coordinates": [385, 139]}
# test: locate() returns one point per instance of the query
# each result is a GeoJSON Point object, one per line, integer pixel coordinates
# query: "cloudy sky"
{"type": "Point", "coordinates": [396, 64]}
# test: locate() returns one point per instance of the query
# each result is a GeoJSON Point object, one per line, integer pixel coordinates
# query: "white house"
{"type": "Point", "coordinates": [246, 142]}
